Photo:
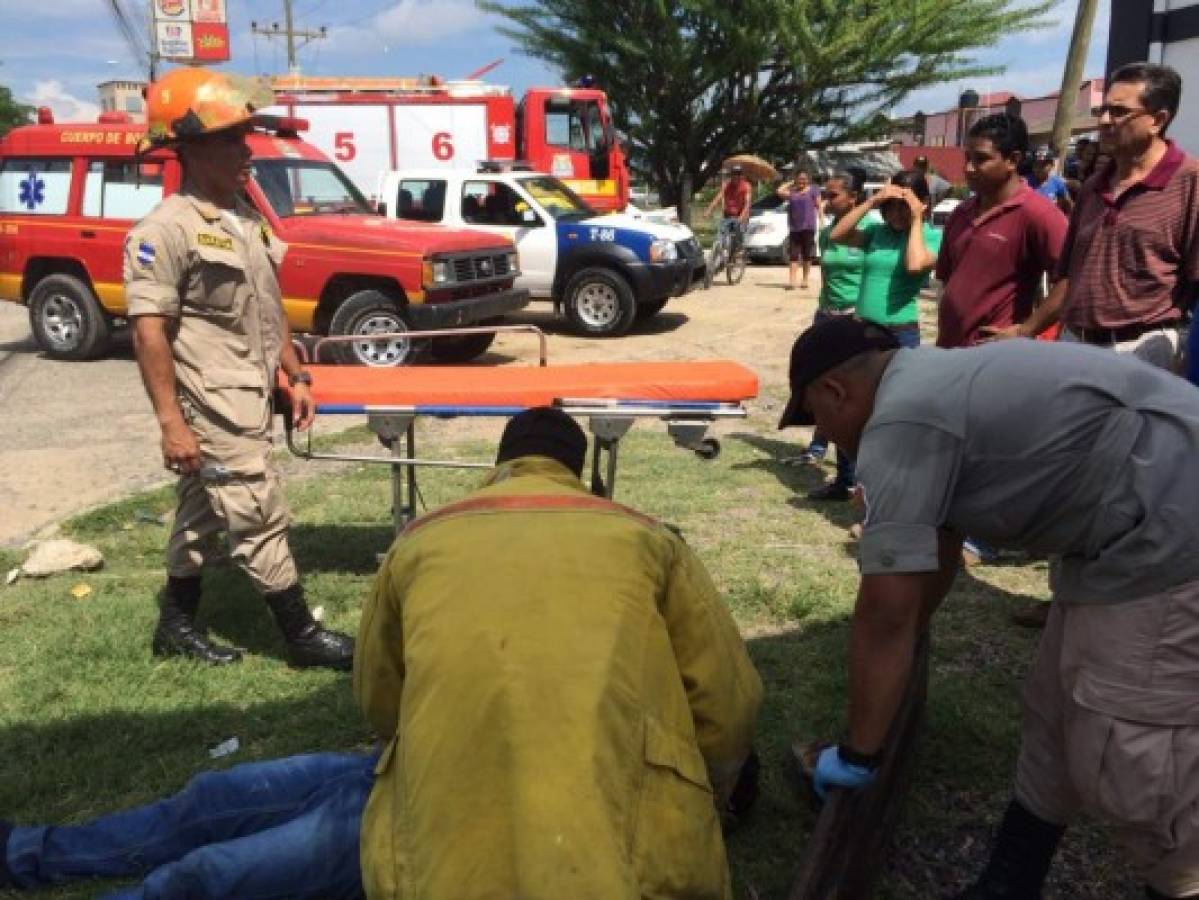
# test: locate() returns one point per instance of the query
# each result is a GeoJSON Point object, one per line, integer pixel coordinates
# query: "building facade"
{"type": "Point", "coordinates": [1162, 31]}
{"type": "Point", "coordinates": [948, 128]}
{"type": "Point", "coordinates": [123, 97]}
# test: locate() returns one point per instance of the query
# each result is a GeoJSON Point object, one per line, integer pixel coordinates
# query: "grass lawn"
{"type": "Point", "coordinates": [89, 722]}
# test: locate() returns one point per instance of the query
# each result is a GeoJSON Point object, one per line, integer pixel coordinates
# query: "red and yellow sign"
{"type": "Point", "coordinates": [191, 31]}
{"type": "Point", "coordinates": [210, 42]}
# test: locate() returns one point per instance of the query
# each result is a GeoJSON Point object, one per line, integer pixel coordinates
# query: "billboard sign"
{"type": "Point", "coordinates": [191, 31]}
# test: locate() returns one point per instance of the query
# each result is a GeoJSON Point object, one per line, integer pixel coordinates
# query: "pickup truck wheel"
{"type": "Point", "coordinates": [646, 311]}
{"type": "Point", "coordinates": [66, 318]}
{"type": "Point", "coordinates": [366, 313]}
{"type": "Point", "coordinates": [600, 302]}
{"type": "Point", "coordinates": [462, 349]}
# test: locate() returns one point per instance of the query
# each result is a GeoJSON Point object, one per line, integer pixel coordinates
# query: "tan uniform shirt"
{"type": "Point", "coordinates": [217, 284]}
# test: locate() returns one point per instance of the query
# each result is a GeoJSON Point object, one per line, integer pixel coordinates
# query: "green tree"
{"type": "Point", "coordinates": [693, 81]}
{"type": "Point", "coordinates": [12, 113]}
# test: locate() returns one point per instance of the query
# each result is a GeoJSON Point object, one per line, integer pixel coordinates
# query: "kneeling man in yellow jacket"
{"type": "Point", "coordinates": [567, 699]}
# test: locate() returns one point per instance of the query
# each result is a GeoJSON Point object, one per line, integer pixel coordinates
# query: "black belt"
{"type": "Point", "coordinates": [1105, 337]}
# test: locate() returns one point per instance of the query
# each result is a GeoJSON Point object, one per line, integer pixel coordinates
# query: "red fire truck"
{"type": "Point", "coordinates": [376, 125]}
{"type": "Point", "coordinates": [70, 193]}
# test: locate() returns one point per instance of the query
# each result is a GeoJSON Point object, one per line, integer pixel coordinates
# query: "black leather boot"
{"type": "Point", "coordinates": [1020, 858]}
{"type": "Point", "coordinates": [308, 643]}
{"type": "Point", "coordinates": [177, 635]}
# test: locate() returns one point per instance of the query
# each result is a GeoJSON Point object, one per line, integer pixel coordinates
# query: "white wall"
{"type": "Point", "coordinates": [1184, 56]}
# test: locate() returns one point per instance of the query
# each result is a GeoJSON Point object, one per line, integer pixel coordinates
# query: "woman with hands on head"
{"type": "Point", "coordinates": [899, 253]}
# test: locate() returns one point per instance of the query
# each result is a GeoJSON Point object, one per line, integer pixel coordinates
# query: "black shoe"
{"type": "Point", "coordinates": [322, 647]}
{"type": "Point", "coordinates": [177, 635]}
{"type": "Point", "coordinates": [1020, 858]}
{"type": "Point", "coordinates": [834, 490]}
{"type": "Point", "coordinates": [308, 643]}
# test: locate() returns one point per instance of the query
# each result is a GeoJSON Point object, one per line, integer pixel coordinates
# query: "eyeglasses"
{"type": "Point", "coordinates": [1118, 113]}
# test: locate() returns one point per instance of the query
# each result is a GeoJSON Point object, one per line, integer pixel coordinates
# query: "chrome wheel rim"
{"type": "Point", "coordinates": [390, 352]}
{"type": "Point", "coordinates": [62, 321]}
{"type": "Point", "coordinates": [598, 304]}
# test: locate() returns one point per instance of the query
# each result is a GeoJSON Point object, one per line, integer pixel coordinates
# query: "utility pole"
{"type": "Point", "coordinates": [289, 32]}
{"type": "Point", "coordinates": [1080, 42]}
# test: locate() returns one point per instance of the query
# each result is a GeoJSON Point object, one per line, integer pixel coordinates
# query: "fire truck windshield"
{"type": "Point", "coordinates": [557, 199]}
{"type": "Point", "coordinates": [304, 187]}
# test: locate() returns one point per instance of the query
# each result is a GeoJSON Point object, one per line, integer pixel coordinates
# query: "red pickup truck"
{"type": "Point", "coordinates": [69, 193]}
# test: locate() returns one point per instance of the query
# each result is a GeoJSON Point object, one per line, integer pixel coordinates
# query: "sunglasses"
{"type": "Point", "coordinates": [1119, 113]}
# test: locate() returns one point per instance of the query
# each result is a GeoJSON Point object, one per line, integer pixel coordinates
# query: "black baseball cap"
{"type": "Point", "coordinates": [825, 346]}
{"type": "Point", "coordinates": [544, 431]}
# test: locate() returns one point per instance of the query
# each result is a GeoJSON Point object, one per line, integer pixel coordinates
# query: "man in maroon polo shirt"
{"type": "Point", "coordinates": [998, 245]}
{"type": "Point", "coordinates": [1130, 265]}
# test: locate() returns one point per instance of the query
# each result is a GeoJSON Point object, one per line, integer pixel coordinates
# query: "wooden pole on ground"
{"type": "Point", "coordinates": [847, 848]}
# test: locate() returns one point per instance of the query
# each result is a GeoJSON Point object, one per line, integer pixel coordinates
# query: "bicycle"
{"type": "Point", "coordinates": [727, 253]}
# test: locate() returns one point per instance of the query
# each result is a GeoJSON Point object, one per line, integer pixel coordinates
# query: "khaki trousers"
{"type": "Point", "coordinates": [1111, 726]}
{"type": "Point", "coordinates": [251, 510]}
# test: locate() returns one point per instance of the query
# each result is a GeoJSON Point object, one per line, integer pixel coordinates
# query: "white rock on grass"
{"type": "Point", "coordinates": [52, 557]}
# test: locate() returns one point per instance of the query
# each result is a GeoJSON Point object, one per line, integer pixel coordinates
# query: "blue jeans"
{"type": "Point", "coordinates": [907, 335]}
{"type": "Point", "coordinates": [286, 828]}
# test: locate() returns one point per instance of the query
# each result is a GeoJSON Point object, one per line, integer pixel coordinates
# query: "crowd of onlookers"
{"type": "Point", "coordinates": [1103, 249]}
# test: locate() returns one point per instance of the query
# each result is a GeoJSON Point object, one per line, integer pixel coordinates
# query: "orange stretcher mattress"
{"type": "Point", "coordinates": [444, 389]}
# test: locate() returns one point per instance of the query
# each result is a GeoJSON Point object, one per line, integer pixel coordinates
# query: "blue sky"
{"type": "Point", "coordinates": [55, 52]}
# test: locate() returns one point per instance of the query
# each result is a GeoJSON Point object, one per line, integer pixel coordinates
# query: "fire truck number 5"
{"type": "Point", "coordinates": [343, 143]}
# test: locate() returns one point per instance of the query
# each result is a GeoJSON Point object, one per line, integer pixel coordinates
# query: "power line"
{"type": "Point", "coordinates": [290, 33]}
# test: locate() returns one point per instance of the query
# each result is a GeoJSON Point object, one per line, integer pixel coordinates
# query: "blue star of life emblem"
{"type": "Point", "coordinates": [32, 192]}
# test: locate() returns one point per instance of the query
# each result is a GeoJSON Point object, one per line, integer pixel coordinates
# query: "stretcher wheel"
{"type": "Point", "coordinates": [708, 448]}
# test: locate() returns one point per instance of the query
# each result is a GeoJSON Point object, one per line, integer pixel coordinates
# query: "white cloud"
{"type": "Point", "coordinates": [65, 106]}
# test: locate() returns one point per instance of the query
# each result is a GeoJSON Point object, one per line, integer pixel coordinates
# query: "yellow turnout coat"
{"type": "Point", "coordinates": [562, 687]}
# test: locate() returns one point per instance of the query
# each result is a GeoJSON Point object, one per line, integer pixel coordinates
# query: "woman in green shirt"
{"type": "Point", "coordinates": [840, 284]}
{"type": "Point", "coordinates": [898, 254]}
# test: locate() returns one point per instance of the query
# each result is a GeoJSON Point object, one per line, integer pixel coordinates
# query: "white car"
{"type": "Point", "coordinates": [604, 271]}
{"type": "Point", "coordinates": [766, 232]}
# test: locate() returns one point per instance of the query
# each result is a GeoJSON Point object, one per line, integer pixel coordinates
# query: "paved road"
{"type": "Point", "coordinates": [72, 435]}
{"type": "Point", "coordinates": [75, 435]}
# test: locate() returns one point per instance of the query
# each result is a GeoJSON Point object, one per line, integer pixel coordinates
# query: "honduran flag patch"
{"type": "Point", "coordinates": [145, 254]}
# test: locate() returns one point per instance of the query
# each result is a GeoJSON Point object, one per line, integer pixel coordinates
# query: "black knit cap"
{"type": "Point", "coordinates": [544, 431]}
{"type": "Point", "coordinates": [825, 346]}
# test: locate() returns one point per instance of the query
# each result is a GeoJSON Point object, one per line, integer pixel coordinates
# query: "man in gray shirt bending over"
{"type": "Point", "coordinates": [1059, 449]}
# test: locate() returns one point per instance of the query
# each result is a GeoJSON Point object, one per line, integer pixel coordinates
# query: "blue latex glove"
{"type": "Point", "coordinates": [832, 771]}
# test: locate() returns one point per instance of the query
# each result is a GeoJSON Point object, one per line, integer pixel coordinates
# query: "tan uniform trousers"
{"type": "Point", "coordinates": [251, 510]}
{"type": "Point", "coordinates": [1111, 725]}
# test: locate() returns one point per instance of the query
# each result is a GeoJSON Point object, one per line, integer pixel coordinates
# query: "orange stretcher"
{"type": "Point", "coordinates": [687, 395]}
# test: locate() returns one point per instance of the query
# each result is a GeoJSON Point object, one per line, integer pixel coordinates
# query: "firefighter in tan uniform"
{"type": "Point", "coordinates": [1060, 449]}
{"type": "Point", "coordinates": [209, 332]}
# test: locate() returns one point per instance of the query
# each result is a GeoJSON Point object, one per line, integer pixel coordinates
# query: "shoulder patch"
{"type": "Point", "coordinates": [217, 242]}
{"type": "Point", "coordinates": [145, 254]}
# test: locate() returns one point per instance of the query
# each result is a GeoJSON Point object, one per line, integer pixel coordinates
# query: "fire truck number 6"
{"type": "Point", "coordinates": [443, 146]}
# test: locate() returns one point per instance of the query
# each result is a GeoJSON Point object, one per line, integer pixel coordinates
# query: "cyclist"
{"type": "Point", "coordinates": [735, 196]}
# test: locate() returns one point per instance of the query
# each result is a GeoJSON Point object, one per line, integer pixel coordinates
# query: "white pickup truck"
{"type": "Point", "coordinates": [604, 271]}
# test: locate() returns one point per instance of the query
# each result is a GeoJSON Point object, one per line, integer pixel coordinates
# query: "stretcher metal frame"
{"type": "Point", "coordinates": [608, 421]}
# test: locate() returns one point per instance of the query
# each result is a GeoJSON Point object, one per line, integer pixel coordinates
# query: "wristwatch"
{"type": "Point", "coordinates": [300, 377]}
{"type": "Point", "coordinates": [852, 757]}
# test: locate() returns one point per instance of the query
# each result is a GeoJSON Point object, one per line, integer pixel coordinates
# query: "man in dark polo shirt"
{"type": "Point", "coordinates": [1130, 265]}
{"type": "Point", "coordinates": [999, 244]}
